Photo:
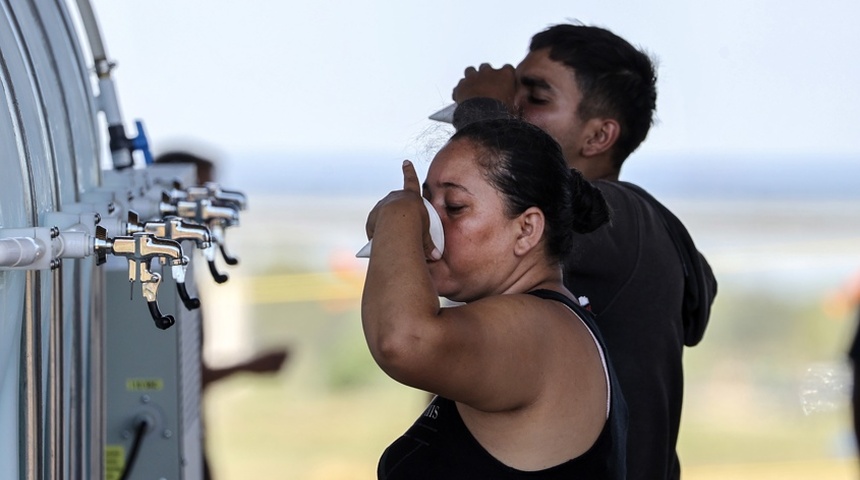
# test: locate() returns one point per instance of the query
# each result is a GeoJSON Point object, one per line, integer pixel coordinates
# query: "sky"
{"type": "Point", "coordinates": [734, 76]}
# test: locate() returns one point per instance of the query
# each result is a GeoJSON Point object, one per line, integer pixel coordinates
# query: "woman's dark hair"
{"type": "Point", "coordinates": [526, 165]}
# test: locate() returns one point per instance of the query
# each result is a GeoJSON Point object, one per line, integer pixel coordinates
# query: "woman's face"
{"type": "Point", "coordinates": [479, 237]}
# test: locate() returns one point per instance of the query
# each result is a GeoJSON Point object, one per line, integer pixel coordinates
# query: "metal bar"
{"type": "Point", "coordinates": [31, 390]}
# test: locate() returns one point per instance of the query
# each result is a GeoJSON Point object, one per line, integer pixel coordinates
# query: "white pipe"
{"type": "Point", "coordinates": [108, 101]}
{"type": "Point", "coordinates": [20, 251]}
{"type": "Point", "coordinates": [71, 244]}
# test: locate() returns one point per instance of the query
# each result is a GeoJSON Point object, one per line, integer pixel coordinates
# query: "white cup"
{"type": "Point", "coordinates": [436, 232]}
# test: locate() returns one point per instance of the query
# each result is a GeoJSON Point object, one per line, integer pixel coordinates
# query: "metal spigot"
{"type": "Point", "coordinates": [216, 217]}
{"type": "Point", "coordinates": [140, 249]}
{"type": "Point", "coordinates": [175, 228]}
{"type": "Point", "coordinates": [208, 191]}
{"type": "Point", "coordinates": [218, 196]}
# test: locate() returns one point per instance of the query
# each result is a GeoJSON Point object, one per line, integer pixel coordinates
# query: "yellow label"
{"type": "Point", "coordinates": [114, 461]}
{"type": "Point", "coordinates": [138, 384]}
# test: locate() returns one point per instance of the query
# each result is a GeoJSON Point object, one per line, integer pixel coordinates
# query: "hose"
{"type": "Point", "coordinates": [94, 36]}
{"type": "Point", "coordinates": [139, 432]}
{"type": "Point", "coordinates": [107, 99]}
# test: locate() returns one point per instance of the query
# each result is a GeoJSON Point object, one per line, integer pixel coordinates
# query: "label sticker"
{"type": "Point", "coordinates": [114, 461]}
{"type": "Point", "coordinates": [140, 384]}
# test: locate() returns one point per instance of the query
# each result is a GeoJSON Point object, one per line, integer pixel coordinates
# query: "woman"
{"type": "Point", "coordinates": [523, 387]}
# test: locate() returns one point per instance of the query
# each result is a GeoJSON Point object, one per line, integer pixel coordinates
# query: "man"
{"type": "Point", "coordinates": [648, 285]}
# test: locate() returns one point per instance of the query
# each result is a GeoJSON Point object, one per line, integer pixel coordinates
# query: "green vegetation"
{"type": "Point", "coordinates": [330, 413]}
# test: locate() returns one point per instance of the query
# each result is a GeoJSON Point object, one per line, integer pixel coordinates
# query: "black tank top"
{"type": "Point", "coordinates": [440, 446]}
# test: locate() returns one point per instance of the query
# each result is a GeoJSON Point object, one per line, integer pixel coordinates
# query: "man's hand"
{"type": "Point", "coordinates": [488, 82]}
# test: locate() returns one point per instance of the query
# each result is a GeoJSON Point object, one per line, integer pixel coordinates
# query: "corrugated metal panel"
{"type": "Point", "coordinates": [54, 410]}
{"type": "Point", "coordinates": [49, 149]}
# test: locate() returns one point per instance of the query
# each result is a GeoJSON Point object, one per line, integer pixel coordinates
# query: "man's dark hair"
{"type": "Point", "coordinates": [616, 79]}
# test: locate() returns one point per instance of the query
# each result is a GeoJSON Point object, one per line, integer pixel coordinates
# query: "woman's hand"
{"type": "Point", "coordinates": [406, 202]}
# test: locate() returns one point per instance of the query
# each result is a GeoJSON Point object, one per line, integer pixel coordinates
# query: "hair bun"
{"type": "Point", "coordinates": [589, 206]}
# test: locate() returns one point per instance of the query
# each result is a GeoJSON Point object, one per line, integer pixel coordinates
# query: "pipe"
{"type": "Point", "coordinates": [31, 392]}
{"type": "Point", "coordinates": [20, 251]}
{"type": "Point", "coordinates": [107, 99]}
{"type": "Point", "coordinates": [54, 464]}
{"type": "Point", "coordinates": [94, 36]}
{"type": "Point", "coordinates": [96, 409]}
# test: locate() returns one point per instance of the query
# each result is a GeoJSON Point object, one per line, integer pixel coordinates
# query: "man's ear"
{"type": "Point", "coordinates": [600, 136]}
{"type": "Point", "coordinates": [531, 227]}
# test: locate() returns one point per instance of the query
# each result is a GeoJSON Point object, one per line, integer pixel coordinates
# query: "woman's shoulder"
{"type": "Point", "coordinates": [523, 304]}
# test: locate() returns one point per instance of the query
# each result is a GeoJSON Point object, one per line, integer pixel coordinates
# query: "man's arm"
{"type": "Point", "coordinates": [269, 362]}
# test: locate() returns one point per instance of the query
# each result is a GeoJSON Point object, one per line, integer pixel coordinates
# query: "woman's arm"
{"type": "Point", "coordinates": [399, 302]}
{"type": "Point", "coordinates": [484, 354]}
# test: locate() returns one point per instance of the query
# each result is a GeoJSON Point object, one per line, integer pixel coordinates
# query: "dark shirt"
{"type": "Point", "coordinates": [647, 308]}
{"type": "Point", "coordinates": [440, 446]}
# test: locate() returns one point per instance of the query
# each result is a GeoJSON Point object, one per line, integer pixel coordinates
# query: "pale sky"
{"type": "Point", "coordinates": [735, 76]}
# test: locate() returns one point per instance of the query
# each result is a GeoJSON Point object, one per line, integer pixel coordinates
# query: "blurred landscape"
{"type": "Point", "coordinates": [766, 390]}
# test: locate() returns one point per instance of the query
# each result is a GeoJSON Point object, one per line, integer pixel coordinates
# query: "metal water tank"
{"type": "Point", "coordinates": [49, 319]}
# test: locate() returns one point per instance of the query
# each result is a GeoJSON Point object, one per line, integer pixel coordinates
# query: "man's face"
{"type": "Point", "coordinates": [547, 96]}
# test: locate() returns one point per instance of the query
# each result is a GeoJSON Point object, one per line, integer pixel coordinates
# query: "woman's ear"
{"type": "Point", "coordinates": [531, 226]}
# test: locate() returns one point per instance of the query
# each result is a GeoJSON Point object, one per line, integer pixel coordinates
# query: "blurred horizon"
{"type": "Point", "coordinates": [682, 176]}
